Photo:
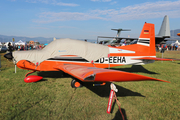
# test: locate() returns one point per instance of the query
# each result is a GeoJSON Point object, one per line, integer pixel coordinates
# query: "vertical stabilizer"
{"type": "Point", "coordinates": [147, 39]}
{"type": "Point", "coordinates": [165, 28]}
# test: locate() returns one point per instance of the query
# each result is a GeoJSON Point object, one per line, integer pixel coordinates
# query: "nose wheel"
{"type": "Point", "coordinates": [75, 84]}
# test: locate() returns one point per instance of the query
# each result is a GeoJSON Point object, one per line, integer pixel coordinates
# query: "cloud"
{"type": "Point", "coordinates": [66, 27]}
{"type": "Point", "coordinates": [139, 11]}
{"type": "Point", "coordinates": [152, 7]}
{"type": "Point", "coordinates": [53, 2]}
{"type": "Point", "coordinates": [112, 3]}
{"type": "Point", "coordinates": [48, 17]}
{"type": "Point", "coordinates": [66, 4]}
{"type": "Point", "coordinates": [43, 28]}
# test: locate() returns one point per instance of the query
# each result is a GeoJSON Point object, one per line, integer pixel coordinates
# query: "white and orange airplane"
{"type": "Point", "coordinates": [85, 61]}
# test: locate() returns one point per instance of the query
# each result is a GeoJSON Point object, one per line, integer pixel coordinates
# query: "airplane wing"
{"type": "Point", "coordinates": [158, 39]}
{"type": "Point", "coordinates": [92, 74]}
{"type": "Point", "coordinates": [158, 59]}
{"type": "Point", "coordinates": [128, 40]}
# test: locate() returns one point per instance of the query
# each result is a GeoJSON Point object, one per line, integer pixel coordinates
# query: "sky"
{"type": "Point", "coordinates": [84, 19]}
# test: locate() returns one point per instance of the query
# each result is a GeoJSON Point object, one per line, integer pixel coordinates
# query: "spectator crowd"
{"type": "Point", "coordinates": [24, 47]}
{"type": "Point", "coordinates": [164, 47]}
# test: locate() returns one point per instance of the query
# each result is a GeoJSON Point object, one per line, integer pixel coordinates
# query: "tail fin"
{"type": "Point", "coordinates": [165, 28]}
{"type": "Point", "coordinates": [147, 39]}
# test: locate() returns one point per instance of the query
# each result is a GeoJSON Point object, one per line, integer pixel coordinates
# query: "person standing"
{"type": "Point", "coordinates": [10, 47]}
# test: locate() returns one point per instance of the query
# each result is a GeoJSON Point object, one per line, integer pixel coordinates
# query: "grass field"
{"type": "Point", "coordinates": [54, 99]}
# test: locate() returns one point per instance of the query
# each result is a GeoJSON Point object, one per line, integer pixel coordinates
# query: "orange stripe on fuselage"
{"type": "Point", "coordinates": [140, 50]}
{"type": "Point", "coordinates": [49, 65]}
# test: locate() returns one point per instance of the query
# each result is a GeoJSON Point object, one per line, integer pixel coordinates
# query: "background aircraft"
{"type": "Point", "coordinates": [119, 31]}
{"type": "Point", "coordinates": [161, 38]}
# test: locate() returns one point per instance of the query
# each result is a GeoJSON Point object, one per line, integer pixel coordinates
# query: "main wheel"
{"type": "Point", "coordinates": [75, 84]}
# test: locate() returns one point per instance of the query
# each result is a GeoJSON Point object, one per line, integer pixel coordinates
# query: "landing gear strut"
{"type": "Point", "coordinates": [75, 84]}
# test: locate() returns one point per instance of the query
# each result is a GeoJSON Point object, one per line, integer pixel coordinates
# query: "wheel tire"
{"type": "Point", "coordinates": [75, 84]}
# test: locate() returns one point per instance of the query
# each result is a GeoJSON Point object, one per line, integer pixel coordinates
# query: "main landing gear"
{"type": "Point", "coordinates": [75, 84]}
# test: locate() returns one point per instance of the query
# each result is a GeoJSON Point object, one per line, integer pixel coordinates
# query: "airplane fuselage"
{"type": "Point", "coordinates": [117, 57]}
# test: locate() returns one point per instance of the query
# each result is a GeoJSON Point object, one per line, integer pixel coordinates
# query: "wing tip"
{"type": "Point", "coordinates": [163, 81]}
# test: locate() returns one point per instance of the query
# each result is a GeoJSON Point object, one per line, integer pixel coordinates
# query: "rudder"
{"type": "Point", "coordinates": [147, 38]}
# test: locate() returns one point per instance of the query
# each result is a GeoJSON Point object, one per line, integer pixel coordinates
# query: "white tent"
{"type": "Point", "coordinates": [177, 43]}
{"type": "Point", "coordinates": [20, 42]}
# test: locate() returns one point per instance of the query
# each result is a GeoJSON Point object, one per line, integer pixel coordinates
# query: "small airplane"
{"type": "Point", "coordinates": [85, 61]}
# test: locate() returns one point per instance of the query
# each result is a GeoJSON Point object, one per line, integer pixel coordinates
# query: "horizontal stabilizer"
{"type": "Point", "coordinates": [93, 74]}
{"type": "Point", "coordinates": [157, 59]}
{"type": "Point", "coordinates": [121, 29]}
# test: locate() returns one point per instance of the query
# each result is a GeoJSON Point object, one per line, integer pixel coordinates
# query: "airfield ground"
{"type": "Point", "coordinates": [53, 98]}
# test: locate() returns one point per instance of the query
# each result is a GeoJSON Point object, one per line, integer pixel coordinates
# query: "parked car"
{"type": "Point", "coordinates": [3, 48]}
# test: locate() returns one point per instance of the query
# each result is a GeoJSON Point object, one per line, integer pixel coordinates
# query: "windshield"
{"type": "Point", "coordinates": [133, 42]}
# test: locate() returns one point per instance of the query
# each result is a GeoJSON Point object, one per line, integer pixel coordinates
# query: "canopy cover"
{"type": "Point", "coordinates": [86, 50]}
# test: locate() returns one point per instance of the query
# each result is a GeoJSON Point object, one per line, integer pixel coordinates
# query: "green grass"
{"type": "Point", "coordinates": [53, 98]}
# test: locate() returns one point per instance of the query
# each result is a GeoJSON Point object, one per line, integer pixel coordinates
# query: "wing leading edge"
{"type": "Point", "coordinates": [93, 74]}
